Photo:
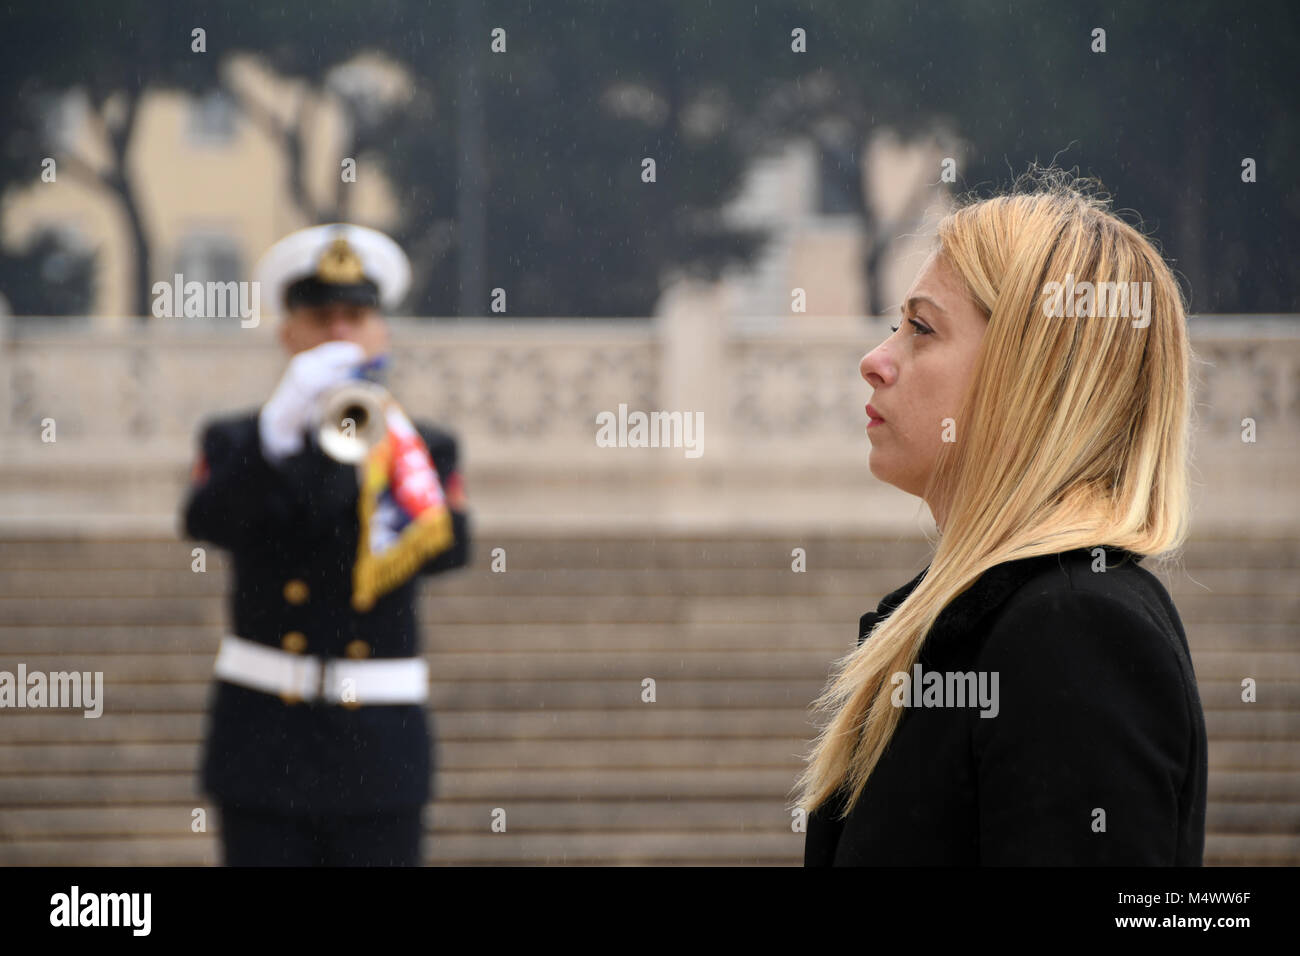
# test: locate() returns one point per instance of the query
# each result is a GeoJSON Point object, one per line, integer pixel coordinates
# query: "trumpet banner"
{"type": "Point", "coordinates": [403, 512]}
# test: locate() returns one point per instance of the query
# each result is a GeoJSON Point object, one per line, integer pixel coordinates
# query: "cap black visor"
{"type": "Point", "coordinates": [312, 292]}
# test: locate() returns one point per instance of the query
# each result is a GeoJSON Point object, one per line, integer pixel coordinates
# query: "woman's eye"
{"type": "Point", "coordinates": [920, 329]}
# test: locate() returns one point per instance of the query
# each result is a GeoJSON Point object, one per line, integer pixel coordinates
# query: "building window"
{"type": "Point", "coordinates": [839, 180]}
{"type": "Point", "coordinates": [209, 257]}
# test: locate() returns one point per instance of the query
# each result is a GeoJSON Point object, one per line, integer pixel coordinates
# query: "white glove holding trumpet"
{"type": "Point", "coordinates": [291, 409]}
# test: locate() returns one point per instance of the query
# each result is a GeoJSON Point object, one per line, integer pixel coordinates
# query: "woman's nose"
{"type": "Point", "coordinates": [877, 367]}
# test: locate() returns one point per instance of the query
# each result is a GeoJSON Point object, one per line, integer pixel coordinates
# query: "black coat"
{"type": "Point", "coordinates": [292, 533]}
{"type": "Point", "coordinates": [1098, 708]}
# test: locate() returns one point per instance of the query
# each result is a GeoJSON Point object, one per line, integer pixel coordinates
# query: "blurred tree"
{"type": "Point", "coordinates": [112, 54]}
{"type": "Point", "coordinates": [308, 44]}
{"type": "Point", "coordinates": [529, 161]}
{"type": "Point", "coordinates": [1164, 117]}
{"type": "Point", "coordinates": [522, 169]}
{"type": "Point", "coordinates": [551, 187]}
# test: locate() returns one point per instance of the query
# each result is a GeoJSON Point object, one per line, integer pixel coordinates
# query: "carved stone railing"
{"type": "Point", "coordinates": [153, 385]}
{"type": "Point", "coordinates": [782, 412]}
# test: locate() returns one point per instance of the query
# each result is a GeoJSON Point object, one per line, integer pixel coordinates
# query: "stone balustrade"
{"type": "Point", "coordinates": [783, 440]}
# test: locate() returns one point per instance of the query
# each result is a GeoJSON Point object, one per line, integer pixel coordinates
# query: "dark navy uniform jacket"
{"type": "Point", "coordinates": [1098, 710]}
{"type": "Point", "coordinates": [292, 533]}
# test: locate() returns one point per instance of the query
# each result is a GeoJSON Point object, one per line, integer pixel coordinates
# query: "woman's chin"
{"type": "Point", "coordinates": [884, 470]}
{"type": "Point", "coordinates": [878, 464]}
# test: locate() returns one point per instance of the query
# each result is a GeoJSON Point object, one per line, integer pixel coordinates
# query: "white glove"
{"type": "Point", "coordinates": [292, 407]}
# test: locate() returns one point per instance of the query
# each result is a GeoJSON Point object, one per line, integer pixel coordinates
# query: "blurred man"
{"type": "Point", "coordinates": [317, 747]}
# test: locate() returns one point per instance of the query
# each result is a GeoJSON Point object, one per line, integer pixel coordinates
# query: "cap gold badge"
{"type": "Point", "coordinates": [339, 264]}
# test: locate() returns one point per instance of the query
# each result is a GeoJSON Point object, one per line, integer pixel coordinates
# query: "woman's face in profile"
{"type": "Point", "coordinates": [919, 375]}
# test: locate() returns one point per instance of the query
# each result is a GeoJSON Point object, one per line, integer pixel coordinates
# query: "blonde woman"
{"type": "Point", "coordinates": [1028, 698]}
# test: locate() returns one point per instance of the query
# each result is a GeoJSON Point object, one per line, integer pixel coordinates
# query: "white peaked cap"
{"type": "Point", "coordinates": [298, 255]}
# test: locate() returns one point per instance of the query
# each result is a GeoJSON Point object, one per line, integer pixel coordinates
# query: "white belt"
{"type": "Point", "coordinates": [402, 680]}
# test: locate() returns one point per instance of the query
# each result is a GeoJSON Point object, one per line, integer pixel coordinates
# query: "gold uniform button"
{"type": "Point", "coordinates": [290, 699]}
{"type": "Point", "coordinates": [296, 591]}
{"type": "Point", "coordinates": [295, 642]}
{"type": "Point", "coordinates": [357, 650]}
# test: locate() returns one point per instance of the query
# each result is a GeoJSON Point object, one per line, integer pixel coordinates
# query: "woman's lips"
{"type": "Point", "coordinates": [875, 417]}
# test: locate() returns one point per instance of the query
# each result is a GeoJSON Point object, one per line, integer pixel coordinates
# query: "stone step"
{"type": "Point", "coordinates": [533, 817]}
{"type": "Point", "coordinates": [536, 684]}
{"type": "Point", "coordinates": [181, 786]}
{"type": "Point", "coordinates": [690, 849]}
{"type": "Point", "coordinates": [1198, 586]}
{"type": "Point", "coordinates": [591, 754]}
{"type": "Point", "coordinates": [621, 665]}
{"type": "Point", "coordinates": [596, 754]}
{"type": "Point", "coordinates": [722, 783]}
{"type": "Point", "coordinates": [481, 582]}
{"type": "Point", "coordinates": [832, 638]}
{"type": "Point", "coordinates": [611, 551]}
{"type": "Point", "coordinates": [617, 550]}
{"type": "Point", "coordinates": [813, 610]}
{"type": "Point", "coordinates": [631, 849]}
{"type": "Point", "coordinates": [170, 697]}
{"type": "Point", "coordinates": [453, 608]}
{"type": "Point", "coordinates": [716, 724]}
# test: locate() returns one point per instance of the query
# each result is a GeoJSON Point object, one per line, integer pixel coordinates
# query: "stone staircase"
{"type": "Point", "coordinates": [536, 693]}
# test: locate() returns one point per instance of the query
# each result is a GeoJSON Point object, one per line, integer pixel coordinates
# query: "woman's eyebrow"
{"type": "Point", "coordinates": [910, 304]}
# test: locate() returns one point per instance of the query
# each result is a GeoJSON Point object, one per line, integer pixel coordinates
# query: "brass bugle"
{"type": "Point", "coordinates": [350, 420]}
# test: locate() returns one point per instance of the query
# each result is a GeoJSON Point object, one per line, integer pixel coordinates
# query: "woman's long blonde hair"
{"type": "Point", "coordinates": [1073, 433]}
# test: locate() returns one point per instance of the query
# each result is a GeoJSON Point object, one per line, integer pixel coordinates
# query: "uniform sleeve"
{"type": "Point", "coordinates": [239, 501]}
{"type": "Point", "coordinates": [1092, 719]}
{"type": "Point", "coordinates": [443, 451]}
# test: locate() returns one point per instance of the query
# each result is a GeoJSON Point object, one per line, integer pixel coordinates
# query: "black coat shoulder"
{"type": "Point", "coordinates": [1085, 603]}
{"type": "Point", "coordinates": [1098, 752]}
{"type": "Point", "coordinates": [1089, 748]}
